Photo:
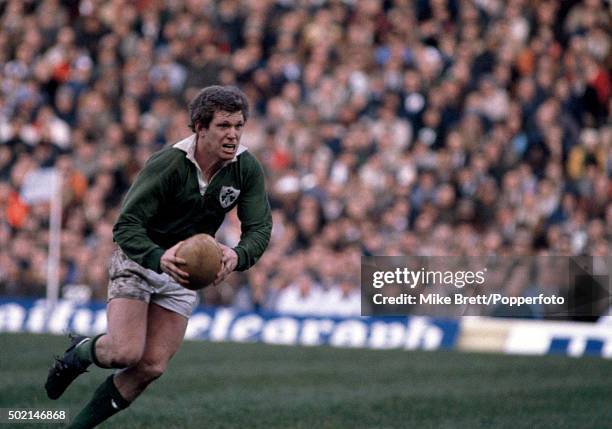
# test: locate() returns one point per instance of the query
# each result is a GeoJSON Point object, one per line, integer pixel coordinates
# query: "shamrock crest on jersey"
{"type": "Point", "coordinates": [228, 196]}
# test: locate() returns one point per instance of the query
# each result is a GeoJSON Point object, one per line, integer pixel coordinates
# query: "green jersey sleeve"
{"type": "Point", "coordinates": [142, 202]}
{"type": "Point", "coordinates": [255, 217]}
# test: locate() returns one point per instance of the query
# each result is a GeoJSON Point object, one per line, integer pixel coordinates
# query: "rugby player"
{"type": "Point", "coordinates": [184, 189]}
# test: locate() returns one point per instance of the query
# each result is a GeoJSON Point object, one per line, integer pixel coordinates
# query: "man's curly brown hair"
{"type": "Point", "coordinates": [214, 99]}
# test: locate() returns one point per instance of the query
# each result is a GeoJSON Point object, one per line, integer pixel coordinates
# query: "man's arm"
{"type": "Point", "coordinates": [142, 202]}
{"type": "Point", "coordinates": [255, 218]}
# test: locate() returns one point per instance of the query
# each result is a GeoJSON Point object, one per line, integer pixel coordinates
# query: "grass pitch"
{"type": "Point", "coordinates": [212, 385]}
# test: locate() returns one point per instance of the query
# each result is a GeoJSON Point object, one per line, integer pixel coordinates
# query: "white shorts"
{"type": "Point", "coordinates": [127, 279]}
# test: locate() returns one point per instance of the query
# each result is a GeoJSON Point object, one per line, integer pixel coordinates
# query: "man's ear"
{"type": "Point", "coordinates": [200, 129]}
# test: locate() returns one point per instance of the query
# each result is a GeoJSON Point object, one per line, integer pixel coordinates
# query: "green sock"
{"type": "Point", "coordinates": [86, 352]}
{"type": "Point", "coordinates": [106, 402]}
{"type": "Point", "coordinates": [83, 352]}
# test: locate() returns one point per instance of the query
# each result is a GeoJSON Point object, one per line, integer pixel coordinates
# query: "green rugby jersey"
{"type": "Point", "coordinates": [169, 202]}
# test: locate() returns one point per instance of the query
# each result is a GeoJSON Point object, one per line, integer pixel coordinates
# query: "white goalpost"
{"type": "Point", "coordinates": [45, 185]}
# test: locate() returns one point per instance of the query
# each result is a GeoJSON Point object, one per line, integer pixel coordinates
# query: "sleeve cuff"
{"type": "Point", "coordinates": [242, 259]}
{"type": "Point", "coordinates": [155, 259]}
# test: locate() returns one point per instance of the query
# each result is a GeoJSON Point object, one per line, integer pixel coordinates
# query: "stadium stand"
{"type": "Point", "coordinates": [385, 127]}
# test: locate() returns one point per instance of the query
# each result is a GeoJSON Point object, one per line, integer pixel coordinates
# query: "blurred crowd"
{"type": "Point", "coordinates": [406, 127]}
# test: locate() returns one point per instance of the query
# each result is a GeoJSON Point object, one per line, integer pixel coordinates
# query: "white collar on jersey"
{"type": "Point", "coordinates": [188, 146]}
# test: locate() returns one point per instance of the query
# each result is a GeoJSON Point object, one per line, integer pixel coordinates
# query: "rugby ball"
{"type": "Point", "coordinates": [203, 260]}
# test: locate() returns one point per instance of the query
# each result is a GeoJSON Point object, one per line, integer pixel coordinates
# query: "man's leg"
{"type": "Point", "coordinates": [165, 330]}
{"type": "Point", "coordinates": [123, 344]}
{"type": "Point", "coordinates": [121, 347]}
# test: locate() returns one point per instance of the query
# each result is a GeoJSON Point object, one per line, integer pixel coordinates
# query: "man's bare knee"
{"type": "Point", "coordinates": [126, 356]}
{"type": "Point", "coordinates": [132, 381]}
{"type": "Point", "coordinates": [114, 353]}
{"type": "Point", "coordinates": [149, 371]}
{"type": "Point", "coordinates": [123, 346]}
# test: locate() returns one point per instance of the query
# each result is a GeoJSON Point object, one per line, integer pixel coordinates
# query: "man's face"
{"type": "Point", "coordinates": [222, 137]}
